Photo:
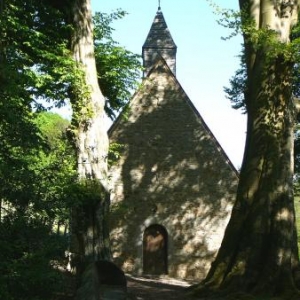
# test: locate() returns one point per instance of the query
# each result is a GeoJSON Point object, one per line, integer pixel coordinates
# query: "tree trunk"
{"type": "Point", "coordinates": [89, 219]}
{"type": "Point", "coordinates": [259, 253]}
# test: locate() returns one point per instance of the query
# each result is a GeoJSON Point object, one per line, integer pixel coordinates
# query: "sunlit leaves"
{"type": "Point", "coordinates": [34, 53]}
{"type": "Point", "coordinates": [34, 64]}
{"type": "Point", "coordinates": [118, 69]}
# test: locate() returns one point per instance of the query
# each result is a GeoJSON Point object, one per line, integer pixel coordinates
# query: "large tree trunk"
{"type": "Point", "coordinates": [89, 219]}
{"type": "Point", "coordinates": [259, 253]}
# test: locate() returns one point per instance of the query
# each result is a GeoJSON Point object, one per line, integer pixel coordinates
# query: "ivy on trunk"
{"type": "Point", "coordinates": [89, 217]}
{"type": "Point", "coordinates": [259, 253]}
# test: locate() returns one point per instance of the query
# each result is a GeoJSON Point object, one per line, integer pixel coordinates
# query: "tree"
{"type": "Point", "coordinates": [118, 69]}
{"type": "Point", "coordinates": [105, 76]}
{"type": "Point", "coordinates": [259, 253]}
{"type": "Point", "coordinates": [34, 63]}
{"type": "Point", "coordinates": [89, 224]}
{"type": "Point", "coordinates": [55, 170]}
{"type": "Point", "coordinates": [30, 64]}
{"type": "Point", "coordinates": [47, 53]}
{"type": "Point", "coordinates": [35, 208]}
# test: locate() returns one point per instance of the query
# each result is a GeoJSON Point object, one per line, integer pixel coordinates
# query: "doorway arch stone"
{"type": "Point", "coordinates": [155, 250]}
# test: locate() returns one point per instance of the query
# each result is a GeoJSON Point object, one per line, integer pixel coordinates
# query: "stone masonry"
{"type": "Point", "coordinates": [171, 173]}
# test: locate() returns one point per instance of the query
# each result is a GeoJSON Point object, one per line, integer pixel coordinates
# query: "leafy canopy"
{"type": "Point", "coordinates": [118, 68]}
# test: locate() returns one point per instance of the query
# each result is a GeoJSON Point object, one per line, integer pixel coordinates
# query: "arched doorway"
{"type": "Point", "coordinates": [155, 250]}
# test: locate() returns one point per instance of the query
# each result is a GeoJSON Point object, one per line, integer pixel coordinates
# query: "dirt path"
{"type": "Point", "coordinates": [140, 288]}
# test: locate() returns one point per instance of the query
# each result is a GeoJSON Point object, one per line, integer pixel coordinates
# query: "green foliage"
{"type": "Point", "coordinates": [236, 92]}
{"type": "Point", "coordinates": [84, 193]}
{"type": "Point", "coordinates": [52, 127]}
{"type": "Point", "coordinates": [114, 153]}
{"type": "Point", "coordinates": [232, 20]}
{"type": "Point", "coordinates": [55, 166]}
{"type": "Point", "coordinates": [33, 199]}
{"type": "Point", "coordinates": [27, 245]}
{"type": "Point", "coordinates": [228, 18]}
{"type": "Point", "coordinates": [118, 69]}
{"type": "Point", "coordinates": [240, 23]}
{"type": "Point", "coordinates": [118, 72]}
{"type": "Point", "coordinates": [37, 163]}
{"type": "Point", "coordinates": [34, 55]}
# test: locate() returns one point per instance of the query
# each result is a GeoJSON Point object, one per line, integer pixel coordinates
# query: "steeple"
{"type": "Point", "coordinates": [159, 42]}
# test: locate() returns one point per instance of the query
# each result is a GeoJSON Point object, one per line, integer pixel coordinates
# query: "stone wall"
{"type": "Point", "coordinates": [151, 55]}
{"type": "Point", "coordinates": [171, 172]}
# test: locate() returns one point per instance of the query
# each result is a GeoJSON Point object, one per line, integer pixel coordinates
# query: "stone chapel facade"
{"type": "Point", "coordinates": [173, 186]}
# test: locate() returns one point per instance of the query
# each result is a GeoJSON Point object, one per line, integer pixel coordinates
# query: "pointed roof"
{"type": "Point", "coordinates": [159, 89]}
{"type": "Point", "coordinates": [159, 35]}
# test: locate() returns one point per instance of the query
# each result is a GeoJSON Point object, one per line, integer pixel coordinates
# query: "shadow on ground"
{"type": "Point", "coordinates": [143, 288]}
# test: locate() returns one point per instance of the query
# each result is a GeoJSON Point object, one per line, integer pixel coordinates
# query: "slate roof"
{"type": "Point", "coordinates": [159, 35]}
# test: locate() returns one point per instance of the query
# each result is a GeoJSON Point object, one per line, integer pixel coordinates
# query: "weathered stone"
{"type": "Point", "coordinates": [159, 43]}
{"type": "Point", "coordinates": [102, 280]}
{"type": "Point", "coordinates": [110, 274]}
{"type": "Point", "coordinates": [172, 172]}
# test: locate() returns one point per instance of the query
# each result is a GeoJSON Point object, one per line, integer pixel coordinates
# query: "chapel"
{"type": "Point", "coordinates": [172, 186]}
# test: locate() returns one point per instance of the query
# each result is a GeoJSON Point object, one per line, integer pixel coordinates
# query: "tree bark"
{"type": "Point", "coordinates": [259, 253]}
{"type": "Point", "coordinates": [89, 219]}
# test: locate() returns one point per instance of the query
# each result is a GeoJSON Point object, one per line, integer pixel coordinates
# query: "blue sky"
{"type": "Point", "coordinates": [205, 62]}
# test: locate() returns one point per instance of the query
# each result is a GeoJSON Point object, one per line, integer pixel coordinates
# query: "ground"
{"type": "Point", "coordinates": [143, 288]}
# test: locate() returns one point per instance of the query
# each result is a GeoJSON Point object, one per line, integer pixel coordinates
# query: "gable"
{"type": "Point", "coordinates": [172, 172]}
{"type": "Point", "coordinates": [160, 114]}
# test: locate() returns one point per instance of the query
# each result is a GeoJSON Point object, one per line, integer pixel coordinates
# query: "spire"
{"type": "Point", "coordinates": [159, 42]}
{"type": "Point", "coordinates": [159, 5]}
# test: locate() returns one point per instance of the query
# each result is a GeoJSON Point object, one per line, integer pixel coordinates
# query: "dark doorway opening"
{"type": "Point", "coordinates": [155, 250]}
